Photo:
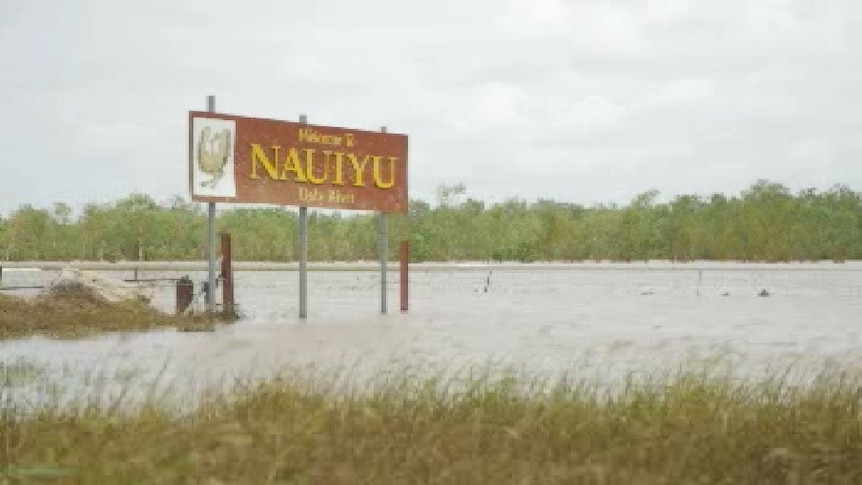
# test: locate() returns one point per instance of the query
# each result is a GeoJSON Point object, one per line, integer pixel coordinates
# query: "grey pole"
{"type": "Point", "coordinates": [211, 237]}
{"type": "Point", "coordinates": [383, 239]}
{"type": "Point", "coordinates": [303, 253]}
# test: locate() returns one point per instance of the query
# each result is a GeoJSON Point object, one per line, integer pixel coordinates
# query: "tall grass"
{"type": "Point", "coordinates": [686, 428]}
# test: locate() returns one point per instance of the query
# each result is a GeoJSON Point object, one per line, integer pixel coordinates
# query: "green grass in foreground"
{"type": "Point", "coordinates": [78, 312]}
{"type": "Point", "coordinates": [691, 430]}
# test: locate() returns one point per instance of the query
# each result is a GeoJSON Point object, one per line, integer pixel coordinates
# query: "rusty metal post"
{"type": "Point", "coordinates": [403, 255]}
{"type": "Point", "coordinates": [227, 275]}
{"type": "Point", "coordinates": [185, 294]}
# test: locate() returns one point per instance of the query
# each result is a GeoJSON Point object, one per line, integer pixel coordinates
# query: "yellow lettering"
{"type": "Point", "coordinates": [339, 172]}
{"type": "Point", "coordinates": [358, 169]}
{"type": "Point", "coordinates": [306, 135]}
{"type": "Point", "coordinates": [310, 136]}
{"type": "Point", "coordinates": [259, 157]}
{"type": "Point", "coordinates": [382, 173]}
{"type": "Point", "coordinates": [378, 180]}
{"type": "Point", "coordinates": [293, 164]}
{"type": "Point", "coordinates": [338, 197]}
{"type": "Point", "coordinates": [309, 167]}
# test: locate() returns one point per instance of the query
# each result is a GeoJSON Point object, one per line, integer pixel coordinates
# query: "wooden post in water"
{"type": "Point", "coordinates": [1, 274]}
{"type": "Point", "coordinates": [184, 294]}
{"type": "Point", "coordinates": [403, 255]}
{"type": "Point", "coordinates": [227, 275]}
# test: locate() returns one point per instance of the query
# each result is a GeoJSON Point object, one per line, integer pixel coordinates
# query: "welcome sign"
{"type": "Point", "coordinates": [252, 160]}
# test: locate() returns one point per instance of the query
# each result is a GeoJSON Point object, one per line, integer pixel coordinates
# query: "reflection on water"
{"type": "Point", "coordinates": [599, 320]}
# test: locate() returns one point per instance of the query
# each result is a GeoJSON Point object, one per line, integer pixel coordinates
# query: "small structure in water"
{"type": "Point", "coordinates": [763, 293]}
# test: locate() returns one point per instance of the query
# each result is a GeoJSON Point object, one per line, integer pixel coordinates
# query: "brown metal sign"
{"type": "Point", "coordinates": [251, 160]}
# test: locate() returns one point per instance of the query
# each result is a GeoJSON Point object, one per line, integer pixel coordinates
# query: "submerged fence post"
{"type": "Point", "coordinates": [227, 275]}
{"type": "Point", "coordinates": [185, 294]}
{"type": "Point", "coordinates": [403, 255]}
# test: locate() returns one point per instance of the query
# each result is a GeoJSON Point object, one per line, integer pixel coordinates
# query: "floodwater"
{"type": "Point", "coordinates": [596, 320]}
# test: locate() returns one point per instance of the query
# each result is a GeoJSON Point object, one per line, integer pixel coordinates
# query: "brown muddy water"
{"type": "Point", "coordinates": [597, 321]}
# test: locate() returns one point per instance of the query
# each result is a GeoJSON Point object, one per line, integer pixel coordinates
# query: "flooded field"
{"type": "Point", "coordinates": [602, 321]}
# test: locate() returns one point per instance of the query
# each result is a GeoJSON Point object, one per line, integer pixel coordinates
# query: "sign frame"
{"type": "Point", "coordinates": [240, 159]}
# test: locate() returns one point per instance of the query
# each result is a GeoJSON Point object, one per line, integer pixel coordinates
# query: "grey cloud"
{"type": "Point", "coordinates": [581, 101]}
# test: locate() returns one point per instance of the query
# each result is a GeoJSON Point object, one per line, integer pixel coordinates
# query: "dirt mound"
{"type": "Point", "coordinates": [72, 310]}
{"type": "Point", "coordinates": [108, 289]}
{"type": "Point", "coordinates": [73, 295]}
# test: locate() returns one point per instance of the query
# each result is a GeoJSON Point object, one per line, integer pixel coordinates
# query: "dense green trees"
{"type": "Point", "coordinates": [766, 222]}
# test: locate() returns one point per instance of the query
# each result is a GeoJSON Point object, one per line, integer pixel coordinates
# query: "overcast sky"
{"type": "Point", "coordinates": [581, 101]}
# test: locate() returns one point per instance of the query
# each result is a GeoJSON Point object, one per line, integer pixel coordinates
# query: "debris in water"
{"type": "Point", "coordinates": [111, 290]}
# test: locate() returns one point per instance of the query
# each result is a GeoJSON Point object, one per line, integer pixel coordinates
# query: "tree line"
{"type": "Point", "coordinates": [765, 222]}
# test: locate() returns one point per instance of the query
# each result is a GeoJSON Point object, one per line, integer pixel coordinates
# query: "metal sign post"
{"type": "Point", "coordinates": [303, 252]}
{"type": "Point", "coordinates": [384, 250]}
{"type": "Point", "coordinates": [403, 257]}
{"type": "Point", "coordinates": [211, 237]}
